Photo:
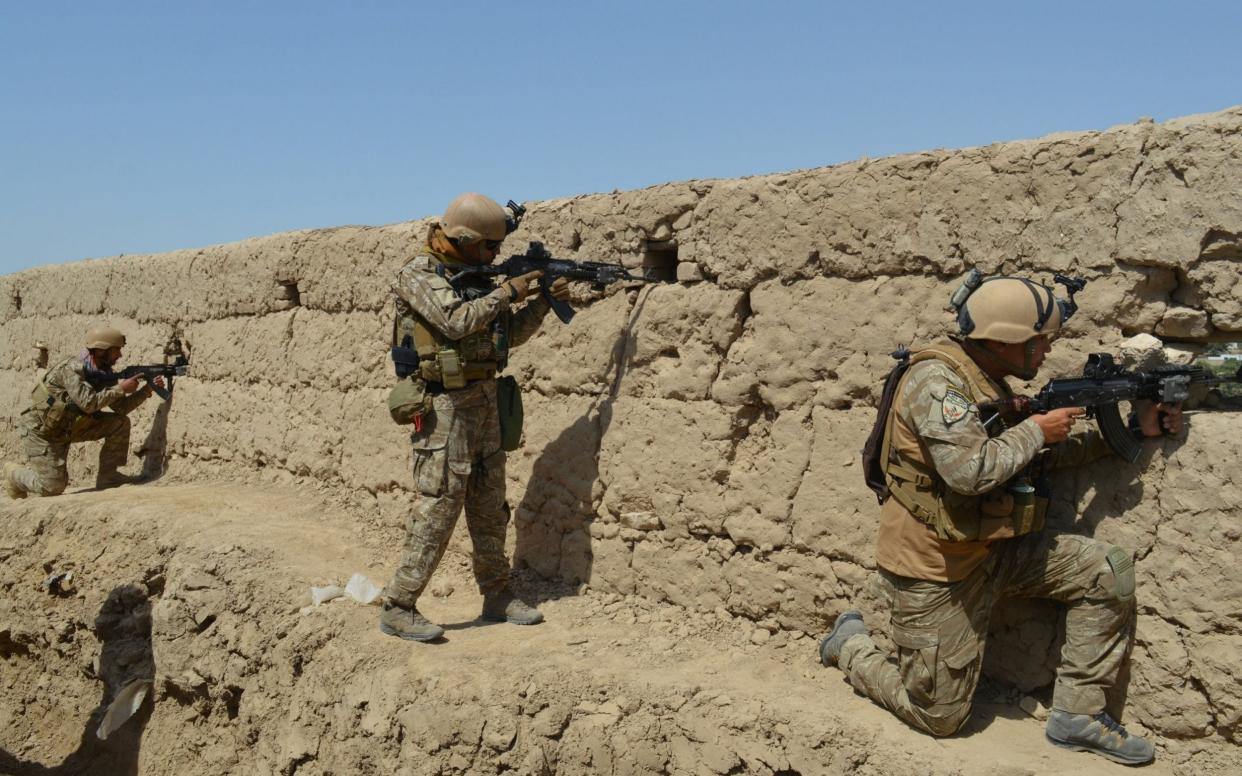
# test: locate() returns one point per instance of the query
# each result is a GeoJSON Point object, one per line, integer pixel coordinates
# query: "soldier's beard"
{"type": "Point", "coordinates": [1029, 367]}
{"type": "Point", "coordinates": [1024, 371]}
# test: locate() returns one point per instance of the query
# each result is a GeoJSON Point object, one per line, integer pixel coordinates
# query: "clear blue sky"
{"type": "Point", "coordinates": [135, 127]}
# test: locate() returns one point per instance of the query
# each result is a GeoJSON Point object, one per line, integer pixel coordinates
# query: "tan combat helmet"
{"type": "Point", "coordinates": [473, 217]}
{"type": "Point", "coordinates": [104, 337]}
{"type": "Point", "coordinates": [1012, 310]}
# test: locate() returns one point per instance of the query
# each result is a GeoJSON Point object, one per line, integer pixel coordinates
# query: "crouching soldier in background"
{"type": "Point", "coordinates": [450, 340]}
{"type": "Point", "coordinates": [66, 407]}
{"type": "Point", "coordinates": [962, 526]}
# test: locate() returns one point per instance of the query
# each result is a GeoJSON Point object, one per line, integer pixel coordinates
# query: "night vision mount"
{"type": "Point", "coordinates": [1072, 286]}
{"type": "Point", "coordinates": [974, 279]}
{"type": "Point", "coordinates": [514, 212]}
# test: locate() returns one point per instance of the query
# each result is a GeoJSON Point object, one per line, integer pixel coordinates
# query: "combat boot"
{"type": "Point", "coordinates": [116, 479]}
{"type": "Point", "coordinates": [849, 623]}
{"type": "Point", "coordinates": [1098, 733]}
{"type": "Point", "coordinates": [11, 487]}
{"type": "Point", "coordinates": [407, 624]}
{"type": "Point", "coordinates": [503, 606]}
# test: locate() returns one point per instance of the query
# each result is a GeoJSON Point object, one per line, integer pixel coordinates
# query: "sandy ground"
{"type": "Point", "coordinates": [246, 682]}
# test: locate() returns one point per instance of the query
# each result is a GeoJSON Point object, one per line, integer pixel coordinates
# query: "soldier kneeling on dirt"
{"type": "Point", "coordinates": [962, 526]}
{"type": "Point", "coordinates": [66, 407]}
{"type": "Point", "coordinates": [450, 340]}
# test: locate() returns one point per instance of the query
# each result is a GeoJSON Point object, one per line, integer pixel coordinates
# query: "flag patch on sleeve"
{"type": "Point", "coordinates": [954, 407]}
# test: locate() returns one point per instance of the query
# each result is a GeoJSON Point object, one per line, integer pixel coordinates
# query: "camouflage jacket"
{"type": "Point", "coordinates": [969, 460]}
{"type": "Point", "coordinates": [64, 394]}
{"type": "Point", "coordinates": [419, 290]}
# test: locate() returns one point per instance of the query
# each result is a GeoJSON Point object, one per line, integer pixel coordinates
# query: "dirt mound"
{"type": "Point", "coordinates": [201, 587]}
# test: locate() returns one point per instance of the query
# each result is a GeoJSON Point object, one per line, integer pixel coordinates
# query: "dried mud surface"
{"type": "Point", "coordinates": [693, 445]}
{"type": "Point", "coordinates": [245, 683]}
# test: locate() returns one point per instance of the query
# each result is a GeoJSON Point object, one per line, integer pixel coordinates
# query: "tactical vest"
{"type": "Point", "coordinates": [53, 415]}
{"type": "Point", "coordinates": [419, 348]}
{"type": "Point", "coordinates": [1012, 509]}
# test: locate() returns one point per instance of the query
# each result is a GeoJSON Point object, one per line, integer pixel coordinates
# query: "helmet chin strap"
{"type": "Point", "coordinates": [1026, 371]}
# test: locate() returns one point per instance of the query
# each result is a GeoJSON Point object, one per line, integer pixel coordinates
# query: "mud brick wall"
{"type": "Point", "coordinates": [697, 442]}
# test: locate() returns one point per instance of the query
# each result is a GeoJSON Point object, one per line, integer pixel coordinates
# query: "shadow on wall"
{"type": "Point", "coordinates": [553, 520]}
{"type": "Point", "coordinates": [1026, 635]}
{"type": "Point", "coordinates": [154, 450]}
{"type": "Point", "coordinates": [123, 628]}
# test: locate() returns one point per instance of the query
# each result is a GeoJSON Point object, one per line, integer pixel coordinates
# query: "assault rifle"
{"type": "Point", "coordinates": [1103, 383]}
{"type": "Point", "coordinates": [598, 274]}
{"type": "Point", "coordinates": [148, 372]}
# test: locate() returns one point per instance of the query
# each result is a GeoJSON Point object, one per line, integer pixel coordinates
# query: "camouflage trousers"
{"type": "Point", "coordinates": [940, 629]}
{"type": "Point", "coordinates": [458, 463]}
{"type": "Point", "coordinates": [45, 471]}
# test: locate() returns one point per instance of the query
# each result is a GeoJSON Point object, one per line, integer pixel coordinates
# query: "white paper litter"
{"type": "Point", "coordinates": [123, 706]}
{"type": "Point", "coordinates": [358, 588]}
{"type": "Point", "coordinates": [322, 595]}
{"type": "Point", "coordinates": [361, 589]}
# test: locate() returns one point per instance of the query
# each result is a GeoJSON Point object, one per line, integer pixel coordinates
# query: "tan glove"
{"type": "Point", "coordinates": [522, 286]}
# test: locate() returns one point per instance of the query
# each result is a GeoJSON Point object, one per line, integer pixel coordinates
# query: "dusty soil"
{"type": "Point", "coordinates": [202, 586]}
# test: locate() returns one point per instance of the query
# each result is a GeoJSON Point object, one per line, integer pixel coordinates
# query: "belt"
{"type": "Point", "coordinates": [437, 388]}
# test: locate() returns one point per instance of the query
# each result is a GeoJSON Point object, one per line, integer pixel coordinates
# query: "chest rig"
{"type": "Point", "coordinates": [1013, 509]}
{"type": "Point", "coordinates": [420, 350]}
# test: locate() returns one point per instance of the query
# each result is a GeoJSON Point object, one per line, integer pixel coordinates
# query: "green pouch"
{"type": "Point", "coordinates": [407, 400]}
{"type": "Point", "coordinates": [509, 402]}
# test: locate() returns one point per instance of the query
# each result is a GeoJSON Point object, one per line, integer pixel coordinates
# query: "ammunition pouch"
{"type": "Point", "coordinates": [448, 369]}
{"type": "Point", "coordinates": [956, 517]}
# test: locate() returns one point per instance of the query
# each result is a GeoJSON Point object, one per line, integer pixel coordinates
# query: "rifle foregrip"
{"type": "Point", "coordinates": [1115, 433]}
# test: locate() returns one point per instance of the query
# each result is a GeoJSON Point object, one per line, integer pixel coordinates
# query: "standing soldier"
{"type": "Point", "coordinates": [66, 407]}
{"type": "Point", "coordinates": [962, 528]}
{"type": "Point", "coordinates": [455, 341]}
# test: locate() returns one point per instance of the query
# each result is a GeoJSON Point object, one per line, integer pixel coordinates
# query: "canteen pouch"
{"type": "Point", "coordinates": [509, 404]}
{"type": "Point", "coordinates": [407, 400]}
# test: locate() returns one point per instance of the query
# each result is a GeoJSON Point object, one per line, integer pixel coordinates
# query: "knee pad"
{"type": "Point", "coordinates": [1120, 572]}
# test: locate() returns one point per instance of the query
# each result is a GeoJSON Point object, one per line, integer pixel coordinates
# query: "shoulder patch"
{"type": "Point", "coordinates": [955, 406]}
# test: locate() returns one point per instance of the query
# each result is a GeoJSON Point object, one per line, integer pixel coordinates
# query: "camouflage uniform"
{"type": "Point", "coordinates": [66, 408]}
{"type": "Point", "coordinates": [458, 460]}
{"type": "Point", "coordinates": [941, 605]}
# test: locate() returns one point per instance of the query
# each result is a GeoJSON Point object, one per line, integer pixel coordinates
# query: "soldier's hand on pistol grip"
{"type": "Point", "coordinates": [559, 289]}
{"type": "Point", "coordinates": [522, 286]}
{"type": "Point", "coordinates": [128, 385]}
{"type": "Point", "coordinates": [1159, 419]}
{"type": "Point", "coordinates": [159, 381]}
{"type": "Point", "coordinates": [1057, 424]}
